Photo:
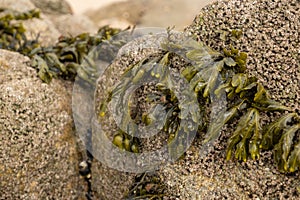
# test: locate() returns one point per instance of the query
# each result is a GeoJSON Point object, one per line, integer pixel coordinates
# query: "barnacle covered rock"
{"type": "Point", "coordinates": [38, 152]}
{"type": "Point", "coordinates": [270, 37]}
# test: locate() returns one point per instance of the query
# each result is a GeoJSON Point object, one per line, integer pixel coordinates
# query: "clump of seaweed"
{"type": "Point", "coordinates": [62, 59]}
{"type": "Point", "coordinates": [248, 97]}
{"type": "Point", "coordinates": [248, 100]}
{"type": "Point", "coordinates": [13, 32]}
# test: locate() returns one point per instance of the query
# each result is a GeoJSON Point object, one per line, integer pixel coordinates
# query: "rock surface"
{"type": "Point", "coordinates": [42, 27]}
{"type": "Point", "coordinates": [271, 38]}
{"type": "Point", "coordinates": [21, 6]}
{"type": "Point", "coordinates": [73, 24]}
{"type": "Point", "coordinates": [38, 152]}
{"type": "Point", "coordinates": [53, 7]}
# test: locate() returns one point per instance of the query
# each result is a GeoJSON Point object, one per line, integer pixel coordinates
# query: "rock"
{"type": "Point", "coordinates": [73, 24]}
{"type": "Point", "coordinates": [42, 27]}
{"type": "Point", "coordinates": [271, 39]}
{"type": "Point", "coordinates": [108, 183]}
{"type": "Point", "coordinates": [127, 12]}
{"type": "Point", "coordinates": [53, 7]}
{"type": "Point", "coordinates": [21, 6]}
{"type": "Point", "coordinates": [274, 59]}
{"type": "Point", "coordinates": [38, 152]}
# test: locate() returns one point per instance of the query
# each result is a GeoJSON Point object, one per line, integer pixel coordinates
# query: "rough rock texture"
{"type": "Point", "coordinates": [108, 183]}
{"type": "Point", "coordinates": [271, 38]}
{"type": "Point", "coordinates": [54, 7]}
{"type": "Point", "coordinates": [38, 154]}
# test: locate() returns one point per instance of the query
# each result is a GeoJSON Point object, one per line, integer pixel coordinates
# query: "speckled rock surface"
{"type": "Point", "coordinates": [38, 152]}
{"type": "Point", "coordinates": [271, 40]}
{"type": "Point", "coordinates": [109, 183]}
{"type": "Point", "coordinates": [271, 37]}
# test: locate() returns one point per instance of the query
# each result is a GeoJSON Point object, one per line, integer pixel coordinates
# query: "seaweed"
{"type": "Point", "coordinates": [211, 75]}
{"type": "Point", "coordinates": [146, 186]}
{"type": "Point", "coordinates": [12, 31]}
{"type": "Point", "coordinates": [62, 59]}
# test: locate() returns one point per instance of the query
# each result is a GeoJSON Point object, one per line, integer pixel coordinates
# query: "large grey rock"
{"type": "Point", "coordinates": [38, 151]}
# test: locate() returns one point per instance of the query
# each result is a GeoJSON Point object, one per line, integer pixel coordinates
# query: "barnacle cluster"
{"type": "Point", "coordinates": [206, 70]}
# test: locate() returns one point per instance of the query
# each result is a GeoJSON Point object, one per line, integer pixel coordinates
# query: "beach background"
{"type": "Point", "coordinates": [143, 13]}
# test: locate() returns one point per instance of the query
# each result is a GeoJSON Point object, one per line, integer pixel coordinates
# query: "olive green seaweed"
{"type": "Point", "coordinates": [63, 59]}
{"type": "Point", "coordinates": [248, 98]}
{"type": "Point", "coordinates": [210, 74]}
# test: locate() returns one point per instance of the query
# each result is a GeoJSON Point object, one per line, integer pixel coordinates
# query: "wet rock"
{"type": "Point", "coordinates": [38, 151]}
